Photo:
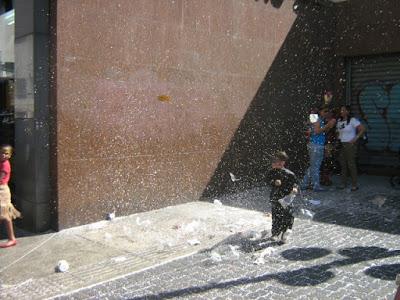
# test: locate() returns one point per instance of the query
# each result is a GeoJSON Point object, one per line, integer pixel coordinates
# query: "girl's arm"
{"type": "Point", "coordinates": [360, 129]}
{"type": "Point", "coordinates": [2, 174]}
{"type": "Point", "coordinates": [329, 125]}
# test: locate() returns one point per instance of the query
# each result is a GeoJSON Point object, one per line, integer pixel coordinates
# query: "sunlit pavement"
{"type": "Point", "coordinates": [350, 250]}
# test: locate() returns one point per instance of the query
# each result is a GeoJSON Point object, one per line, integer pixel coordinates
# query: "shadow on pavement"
{"type": "Point", "coordinates": [375, 206]}
{"type": "Point", "coordinates": [308, 276]}
{"type": "Point", "coordinates": [384, 272]}
{"type": "Point", "coordinates": [304, 254]}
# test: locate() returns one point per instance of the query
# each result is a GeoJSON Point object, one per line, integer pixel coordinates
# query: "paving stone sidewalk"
{"type": "Point", "coordinates": [110, 249]}
{"type": "Point", "coordinates": [350, 250]}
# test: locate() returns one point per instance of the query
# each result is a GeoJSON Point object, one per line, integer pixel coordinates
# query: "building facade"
{"type": "Point", "coordinates": [126, 106]}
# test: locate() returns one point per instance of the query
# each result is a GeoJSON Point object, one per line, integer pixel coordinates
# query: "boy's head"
{"type": "Point", "coordinates": [323, 110]}
{"type": "Point", "coordinates": [6, 152]}
{"type": "Point", "coordinates": [279, 159]}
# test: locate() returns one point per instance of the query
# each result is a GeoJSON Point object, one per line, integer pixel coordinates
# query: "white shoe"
{"type": "Point", "coordinates": [285, 235]}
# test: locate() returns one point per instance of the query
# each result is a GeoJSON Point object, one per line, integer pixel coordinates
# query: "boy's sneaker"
{"type": "Point", "coordinates": [274, 238]}
{"type": "Point", "coordinates": [285, 235]}
{"type": "Point", "coordinates": [319, 189]}
{"type": "Point", "coordinates": [265, 233]}
{"type": "Point", "coordinates": [304, 187]}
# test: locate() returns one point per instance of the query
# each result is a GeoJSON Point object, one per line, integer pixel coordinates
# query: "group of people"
{"type": "Point", "coordinates": [324, 128]}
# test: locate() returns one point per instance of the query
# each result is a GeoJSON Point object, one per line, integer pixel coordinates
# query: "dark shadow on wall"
{"type": "Point", "coordinates": [275, 119]}
{"type": "Point", "coordinates": [274, 3]}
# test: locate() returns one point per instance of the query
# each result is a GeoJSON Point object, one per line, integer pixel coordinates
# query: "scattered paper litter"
{"type": "Point", "coordinates": [215, 256]}
{"type": "Point", "coordinates": [379, 200]}
{"type": "Point", "coordinates": [269, 251]}
{"type": "Point", "coordinates": [217, 202]}
{"type": "Point", "coordinates": [259, 261]}
{"type": "Point", "coordinates": [119, 259]}
{"type": "Point", "coordinates": [62, 266]}
{"type": "Point", "coordinates": [306, 213]}
{"type": "Point", "coordinates": [315, 202]}
{"type": "Point", "coordinates": [253, 235]}
{"type": "Point", "coordinates": [96, 225]}
{"type": "Point", "coordinates": [191, 227]}
{"type": "Point", "coordinates": [234, 250]}
{"type": "Point", "coordinates": [142, 223]}
{"type": "Point", "coordinates": [110, 216]}
{"type": "Point", "coordinates": [176, 226]}
{"type": "Point", "coordinates": [193, 242]}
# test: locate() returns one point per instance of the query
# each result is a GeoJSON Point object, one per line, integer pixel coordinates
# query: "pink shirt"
{"type": "Point", "coordinates": [5, 170]}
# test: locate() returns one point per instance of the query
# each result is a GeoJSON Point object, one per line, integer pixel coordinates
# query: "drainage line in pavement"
{"type": "Point", "coordinates": [29, 252]}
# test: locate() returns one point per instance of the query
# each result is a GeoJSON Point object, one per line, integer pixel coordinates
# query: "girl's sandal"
{"type": "Point", "coordinates": [8, 244]}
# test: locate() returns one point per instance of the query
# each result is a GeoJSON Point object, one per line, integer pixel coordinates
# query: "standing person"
{"type": "Point", "coordinates": [283, 183]}
{"type": "Point", "coordinates": [316, 147]}
{"type": "Point", "coordinates": [328, 163]}
{"type": "Point", "coordinates": [350, 131]}
{"type": "Point", "coordinates": [7, 210]}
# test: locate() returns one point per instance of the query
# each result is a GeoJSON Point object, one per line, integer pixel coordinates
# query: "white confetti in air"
{"type": "Point", "coordinates": [233, 177]}
{"type": "Point", "coordinates": [313, 118]}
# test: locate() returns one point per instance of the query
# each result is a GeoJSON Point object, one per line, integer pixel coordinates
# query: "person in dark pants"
{"type": "Point", "coordinates": [350, 130]}
{"type": "Point", "coordinates": [283, 185]}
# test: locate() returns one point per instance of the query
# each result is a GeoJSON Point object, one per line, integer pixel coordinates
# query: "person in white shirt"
{"type": "Point", "coordinates": [350, 130]}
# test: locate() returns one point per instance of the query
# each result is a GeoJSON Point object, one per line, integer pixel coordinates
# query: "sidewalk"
{"type": "Point", "coordinates": [109, 249]}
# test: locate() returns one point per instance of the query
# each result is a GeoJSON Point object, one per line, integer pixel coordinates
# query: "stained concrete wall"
{"type": "Point", "coordinates": [239, 77]}
{"type": "Point", "coordinates": [368, 27]}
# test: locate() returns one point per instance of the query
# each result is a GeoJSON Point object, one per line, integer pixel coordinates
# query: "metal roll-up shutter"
{"type": "Point", "coordinates": [374, 94]}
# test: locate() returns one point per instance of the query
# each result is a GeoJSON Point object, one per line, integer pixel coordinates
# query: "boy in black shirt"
{"type": "Point", "coordinates": [283, 187]}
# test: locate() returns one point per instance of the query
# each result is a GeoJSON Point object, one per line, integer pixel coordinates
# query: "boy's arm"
{"type": "Point", "coordinates": [270, 177]}
{"type": "Point", "coordinates": [295, 184]}
{"type": "Point", "coordinates": [275, 179]}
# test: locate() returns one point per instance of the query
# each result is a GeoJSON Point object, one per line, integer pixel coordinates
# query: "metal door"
{"type": "Point", "coordinates": [373, 91]}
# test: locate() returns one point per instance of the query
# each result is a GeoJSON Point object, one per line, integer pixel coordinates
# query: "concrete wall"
{"type": "Point", "coordinates": [239, 75]}
{"type": "Point", "coordinates": [368, 27]}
